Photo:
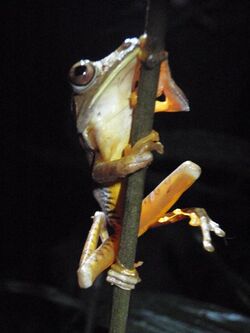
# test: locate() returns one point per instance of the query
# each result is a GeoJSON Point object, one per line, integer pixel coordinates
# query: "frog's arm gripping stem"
{"type": "Point", "coordinates": [135, 158]}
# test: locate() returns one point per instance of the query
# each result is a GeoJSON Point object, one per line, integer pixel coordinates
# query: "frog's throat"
{"type": "Point", "coordinates": [113, 74]}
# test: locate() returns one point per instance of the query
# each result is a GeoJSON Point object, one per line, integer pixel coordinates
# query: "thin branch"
{"type": "Point", "coordinates": [142, 126]}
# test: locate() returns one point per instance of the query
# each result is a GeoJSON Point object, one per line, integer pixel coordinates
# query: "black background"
{"type": "Point", "coordinates": [46, 184]}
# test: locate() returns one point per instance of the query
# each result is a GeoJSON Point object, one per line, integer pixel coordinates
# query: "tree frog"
{"type": "Point", "coordinates": [105, 94]}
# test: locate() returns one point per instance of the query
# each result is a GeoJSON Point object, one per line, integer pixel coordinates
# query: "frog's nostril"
{"type": "Point", "coordinates": [126, 44]}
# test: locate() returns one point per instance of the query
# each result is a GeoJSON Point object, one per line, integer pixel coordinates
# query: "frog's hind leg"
{"type": "Point", "coordinates": [95, 259]}
{"type": "Point", "coordinates": [153, 213]}
{"type": "Point", "coordinates": [165, 195]}
{"type": "Point", "coordinates": [156, 205]}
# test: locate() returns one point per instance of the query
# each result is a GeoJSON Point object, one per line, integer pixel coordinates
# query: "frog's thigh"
{"type": "Point", "coordinates": [165, 195]}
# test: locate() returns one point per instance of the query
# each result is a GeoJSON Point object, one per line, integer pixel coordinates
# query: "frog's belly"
{"type": "Point", "coordinates": [112, 136]}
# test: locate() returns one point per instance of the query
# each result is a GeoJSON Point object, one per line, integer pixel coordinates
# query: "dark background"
{"type": "Point", "coordinates": [47, 200]}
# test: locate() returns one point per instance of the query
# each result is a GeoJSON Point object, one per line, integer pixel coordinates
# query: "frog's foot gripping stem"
{"type": "Point", "coordinates": [135, 158]}
{"type": "Point", "coordinates": [122, 277]}
{"type": "Point", "coordinates": [95, 260]}
{"type": "Point", "coordinates": [198, 218]}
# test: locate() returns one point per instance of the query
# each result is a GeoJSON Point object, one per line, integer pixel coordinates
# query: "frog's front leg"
{"type": "Point", "coordinates": [135, 158]}
{"type": "Point", "coordinates": [198, 218]}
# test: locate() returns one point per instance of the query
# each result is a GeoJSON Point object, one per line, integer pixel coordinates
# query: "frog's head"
{"type": "Point", "coordinates": [103, 84]}
{"type": "Point", "coordinates": [106, 87]}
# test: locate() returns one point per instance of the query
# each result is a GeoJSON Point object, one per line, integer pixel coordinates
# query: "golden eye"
{"type": "Point", "coordinates": [82, 73]}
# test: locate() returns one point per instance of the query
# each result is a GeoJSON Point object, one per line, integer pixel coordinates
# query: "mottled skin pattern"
{"type": "Point", "coordinates": [105, 93]}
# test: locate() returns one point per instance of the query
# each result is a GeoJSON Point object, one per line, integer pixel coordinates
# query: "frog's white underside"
{"type": "Point", "coordinates": [109, 122]}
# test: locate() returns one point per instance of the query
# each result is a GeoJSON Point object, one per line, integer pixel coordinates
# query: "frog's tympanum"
{"type": "Point", "coordinates": [105, 94]}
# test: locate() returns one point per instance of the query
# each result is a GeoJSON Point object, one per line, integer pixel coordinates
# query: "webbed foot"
{"type": "Point", "coordinates": [199, 218]}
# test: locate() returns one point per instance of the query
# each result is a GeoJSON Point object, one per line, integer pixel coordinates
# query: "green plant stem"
{"type": "Point", "coordinates": [142, 126]}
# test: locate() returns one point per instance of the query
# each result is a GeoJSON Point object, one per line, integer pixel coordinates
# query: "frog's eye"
{"type": "Point", "coordinates": [81, 75]}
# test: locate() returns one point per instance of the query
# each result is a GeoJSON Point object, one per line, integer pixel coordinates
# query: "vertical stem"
{"type": "Point", "coordinates": [142, 126]}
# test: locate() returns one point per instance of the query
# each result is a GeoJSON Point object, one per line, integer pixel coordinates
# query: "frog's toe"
{"type": "Point", "coordinates": [151, 142]}
{"type": "Point", "coordinates": [215, 227]}
{"type": "Point", "coordinates": [158, 147]}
